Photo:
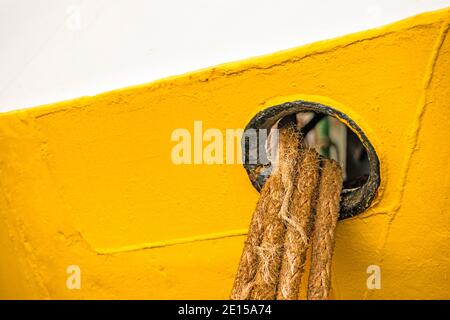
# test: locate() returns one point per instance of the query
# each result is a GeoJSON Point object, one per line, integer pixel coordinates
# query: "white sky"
{"type": "Point", "coordinates": [52, 50]}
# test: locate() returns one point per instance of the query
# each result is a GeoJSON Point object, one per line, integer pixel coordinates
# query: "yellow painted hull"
{"type": "Point", "coordinates": [90, 182]}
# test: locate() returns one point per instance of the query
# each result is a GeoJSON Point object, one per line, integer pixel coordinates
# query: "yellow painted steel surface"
{"type": "Point", "coordinates": [90, 182]}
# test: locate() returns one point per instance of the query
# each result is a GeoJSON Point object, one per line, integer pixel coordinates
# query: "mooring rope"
{"type": "Point", "coordinates": [327, 212]}
{"type": "Point", "coordinates": [298, 207]}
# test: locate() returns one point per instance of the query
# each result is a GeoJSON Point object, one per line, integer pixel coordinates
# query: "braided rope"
{"type": "Point", "coordinates": [283, 222]}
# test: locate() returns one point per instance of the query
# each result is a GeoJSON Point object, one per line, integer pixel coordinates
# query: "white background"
{"type": "Point", "coordinates": [52, 50]}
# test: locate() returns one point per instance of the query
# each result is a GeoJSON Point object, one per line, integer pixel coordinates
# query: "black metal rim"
{"type": "Point", "coordinates": [353, 201]}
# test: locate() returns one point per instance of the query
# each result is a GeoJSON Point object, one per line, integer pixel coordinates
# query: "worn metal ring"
{"type": "Point", "coordinates": [353, 201]}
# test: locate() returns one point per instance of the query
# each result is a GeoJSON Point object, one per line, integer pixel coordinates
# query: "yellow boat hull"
{"type": "Point", "coordinates": [90, 182]}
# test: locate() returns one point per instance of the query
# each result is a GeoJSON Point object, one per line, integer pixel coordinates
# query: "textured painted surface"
{"type": "Point", "coordinates": [90, 181]}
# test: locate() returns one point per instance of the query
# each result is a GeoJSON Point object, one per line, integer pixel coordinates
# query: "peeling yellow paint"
{"type": "Point", "coordinates": [90, 182]}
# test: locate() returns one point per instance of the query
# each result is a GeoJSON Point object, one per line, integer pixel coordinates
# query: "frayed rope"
{"type": "Point", "coordinates": [297, 211]}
